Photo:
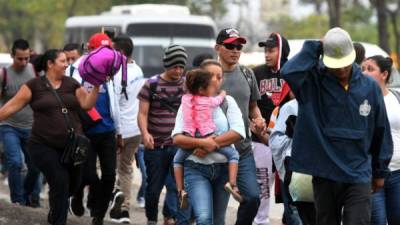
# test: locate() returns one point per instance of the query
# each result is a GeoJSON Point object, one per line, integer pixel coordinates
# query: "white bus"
{"type": "Point", "coordinates": [152, 27]}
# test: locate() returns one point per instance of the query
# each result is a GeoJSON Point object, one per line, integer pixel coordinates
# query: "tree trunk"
{"type": "Point", "coordinates": [382, 25]}
{"type": "Point", "coordinates": [334, 13]}
{"type": "Point", "coordinates": [318, 7]}
{"type": "Point", "coordinates": [393, 19]}
{"type": "Point", "coordinates": [71, 8]}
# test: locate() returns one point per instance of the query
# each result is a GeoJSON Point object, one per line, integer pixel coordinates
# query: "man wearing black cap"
{"type": "Point", "coordinates": [276, 49]}
{"type": "Point", "coordinates": [270, 83]}
{"type": "Point", "coordinates": [240, 83]}
{"type": "Point", "coordinates": [159, 100]}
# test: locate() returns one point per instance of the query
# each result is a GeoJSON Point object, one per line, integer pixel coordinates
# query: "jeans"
{"type": "Point", "coordinates": [142, 167]}
{"type": "Point", "coordinates": [158, 163]}
{"type": "Point", "coordinates": [386, 202]}
{"type": "Point", "coordinates": [290, 212]}
{"type": "Point", "coordinates": [58, 177]}
{"type": "Point", "coordinates": [249, 189]}
{"type": "Point", "coordinates": [15, 141]}
{"type": "Point", "coordinates": [341, 203]}
{"type": "Point", "coordinates": [170, 207]}
{"type": "Point", "coordinates": [205, 187]}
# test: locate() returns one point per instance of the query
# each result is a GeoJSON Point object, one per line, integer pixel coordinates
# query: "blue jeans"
{"type": "Point", "coordinates": [229, 152]}
{"type": "Point", "coordinates": [386, 202]}
{"type": "Point", "coordinates": [170, 203]}
{"type": "Point", "coordinates": [249, 189]}
{"type": "Point", "coordinates": [170, 207]}
{"type": "Point", "coordinates": [290, 212]}
{"type": "Point", "coordinates": [15, 141]}
{"type": "Point", "coordinates": [158, 163]}
{"type": "Point", "coordinates": [205, 187]}
{"type": "Point", "coordinates": [142, 167]}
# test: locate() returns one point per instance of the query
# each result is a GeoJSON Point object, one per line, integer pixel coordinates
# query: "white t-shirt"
{"type": "Point", "coordinates": [393, 112]}
{"type": "Point", "coordinates": [129, 108]}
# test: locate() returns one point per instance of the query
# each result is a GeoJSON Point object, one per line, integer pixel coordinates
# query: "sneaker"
{"type": "Point", "coordinates": [33, 201]}
{"type": "Point", "coordinates": [97, 221]}
{"type": "Point", "coordinates": [117, 200]}
{"type": "Point", "coordinates": [234, 191]}
{"type": "Point", "coordinates": [141, 202]}
{"type": "Point", "coordinates": [76, 207]}
{"type": "Point", "coordinates": [122, 217]}
{"type": "Point", "coordinates": [183, 201]}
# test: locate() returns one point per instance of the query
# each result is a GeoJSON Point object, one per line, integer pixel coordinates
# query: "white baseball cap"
{"type": "Point", "coordinates": [338, 49]}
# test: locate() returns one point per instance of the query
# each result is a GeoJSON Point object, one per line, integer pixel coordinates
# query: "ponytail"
{"type": "Point", "coordinates": [40, 62]}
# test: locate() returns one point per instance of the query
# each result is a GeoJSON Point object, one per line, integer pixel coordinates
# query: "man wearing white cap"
{"type": "Point", "coordinates": [342, 135]}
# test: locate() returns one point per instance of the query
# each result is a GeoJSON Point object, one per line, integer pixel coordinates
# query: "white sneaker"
{"type": "Point", "coordinates": [141, 202]}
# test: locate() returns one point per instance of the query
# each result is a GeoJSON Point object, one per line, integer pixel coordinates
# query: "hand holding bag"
{"type": "Point", "coordinates": [77, 147]}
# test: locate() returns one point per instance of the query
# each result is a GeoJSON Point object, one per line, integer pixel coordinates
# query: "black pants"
{"type": "Point", "coordinates": [104, 147]}
{"type": "Point", "coordinates": [306, 212]}
{"type": "Point", "coordinates": [336, 201]}
{"type": "Point", "coordinates": [61, 180]}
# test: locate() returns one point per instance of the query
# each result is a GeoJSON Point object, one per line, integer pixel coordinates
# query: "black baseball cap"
{"type": "Point", "coordinates": [229, 35]}
{"type": "Point", "coordinates": [271, 42]}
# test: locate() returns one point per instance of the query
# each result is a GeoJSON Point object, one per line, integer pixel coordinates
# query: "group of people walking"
{"type": "Point", "coordinates": [321, 127]}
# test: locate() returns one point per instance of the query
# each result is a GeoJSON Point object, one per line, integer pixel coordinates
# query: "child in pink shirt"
{"type": "Point", "coordinates": [197, 108]}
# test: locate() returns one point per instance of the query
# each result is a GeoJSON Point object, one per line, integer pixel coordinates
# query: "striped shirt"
{"type": "Point", "coordinates": [161, 120]}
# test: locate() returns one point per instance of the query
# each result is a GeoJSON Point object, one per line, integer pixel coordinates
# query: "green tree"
{"type": "Point", "coordinates": [41, 22]}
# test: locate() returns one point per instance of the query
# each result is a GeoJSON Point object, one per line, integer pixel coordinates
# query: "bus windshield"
{"type": "Point", "coordinates": [170, 30]}
{"type": "Point", "coordinates": [150, 58]}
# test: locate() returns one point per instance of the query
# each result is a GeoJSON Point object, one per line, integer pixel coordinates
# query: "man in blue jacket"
{"type": "Point", "coordinates": [342, 135]}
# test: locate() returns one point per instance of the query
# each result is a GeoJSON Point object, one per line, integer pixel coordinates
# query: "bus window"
{"type": "Point", "coordinates": [72, 35]}
{"type": "Point", "coordinates": [170, 30]}
{"type": "Point", "coordinates": [82, 34]}
{"type": "Point", "coordinates": [149, 58]}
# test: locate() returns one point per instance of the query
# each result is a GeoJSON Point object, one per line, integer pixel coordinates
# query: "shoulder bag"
{"type": "Point", "coordinates": [77, 147]}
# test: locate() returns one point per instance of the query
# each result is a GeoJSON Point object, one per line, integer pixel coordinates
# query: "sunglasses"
{"type": "Point", "coordinates": [233, 46]}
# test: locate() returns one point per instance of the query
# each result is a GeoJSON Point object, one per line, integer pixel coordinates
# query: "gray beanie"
{"type": "Point", "coordinates": [175, 55]}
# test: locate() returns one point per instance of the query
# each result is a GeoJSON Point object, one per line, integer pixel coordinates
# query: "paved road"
{"type": "Point", "coordinates": [12, 213]}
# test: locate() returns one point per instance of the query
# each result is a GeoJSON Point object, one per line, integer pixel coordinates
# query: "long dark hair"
{"type": "Point", "coordinates": [40, 62]}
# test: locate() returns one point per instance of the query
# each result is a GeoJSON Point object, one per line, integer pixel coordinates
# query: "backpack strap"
{"type": "Point", "coordinates": [247, 74]}
{"type": "Point", "coordinates": [153, 83]}
{"type": "Point", "coordinates": [124, 70]}
{"type": "Point", "coordinates": [124, 80]}
{"type": "Point", "coordinates": [396, 94]}
{"type": "Point", "coordinates": [224, 106]}
{"type": "Point", "coordinates": [71, 70]}
{"type": "Point", "coordinates": [4, 84]}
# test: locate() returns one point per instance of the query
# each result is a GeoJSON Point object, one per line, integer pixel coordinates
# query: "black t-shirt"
{"type": "Point", "coordinates": [270, 86]}
{"type": "Point", "coordinates": [49, 126]}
